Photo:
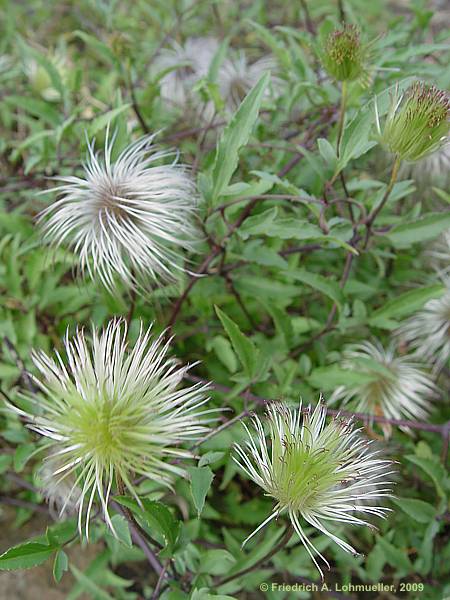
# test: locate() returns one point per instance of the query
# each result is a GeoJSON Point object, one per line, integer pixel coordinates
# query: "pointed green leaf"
{"type": "Point", "coordinates": [157, 516]}
{"type": "Point", "coordinates": [324, 285]}
{"type": "Point", "coordinates": [201, 479]}
{"type": "Point", "coordinates": [22, 454]}
{"type": "Point", "coordinates": [327, 152]}
{"type": "Point", "coordinates": [216, 562]}
{"type": "Point", "coordinates": [236, 135]}
{"type": "Point", "coordinates": [433, 469]}
{"type": "Point", "coordinates": [408, 302]}
{"type": "Point", "coordinates": [24, 556]}
{"type": "Point", "coordinates": [209, 458]}
{"type": "Point", "coordinates": [420, 230]}
{"type": "Point", "coordinates": [420, 511]}
{"type": "Point", "coordinates": [122, 530]}
{"type": "Point", "coordinates": [60, 565]}
{"type": "Point", "coordinates": [244, 348]}
{"type": "Point", "coordinates": [94, 590]}
{"type": "Point", "coordinates": [224, 352]}
{"type": "Point", "coordinates": [99, 123]}
{"type": "Point", "coordinates": [328, 378]}
{"type": "Point", "coordinates": [396, 557]}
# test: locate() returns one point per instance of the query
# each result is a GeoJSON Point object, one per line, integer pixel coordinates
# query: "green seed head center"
{"type": "Point", "coordinates": [104, 431]}
{"type": "Point", "coordinates": [303, 474]}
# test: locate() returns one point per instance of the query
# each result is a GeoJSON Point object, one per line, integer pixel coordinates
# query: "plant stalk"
{"type": "Point", "coordinates": [341, 117]}
{"type": "Point", "coordinates": [376, 209]}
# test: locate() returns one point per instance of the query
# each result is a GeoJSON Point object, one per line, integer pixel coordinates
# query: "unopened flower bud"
{"type": "Point", "coordinates": [344, 54]}
{"type": "Point", "coordinates": [417, 123]}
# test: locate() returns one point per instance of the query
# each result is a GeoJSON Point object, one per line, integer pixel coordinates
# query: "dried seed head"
{"type": "Point", "coordinates": [128, 220]}
{"type": "Point", "coordinates": [387, 385]}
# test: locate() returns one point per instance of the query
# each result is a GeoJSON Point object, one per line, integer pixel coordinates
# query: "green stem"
{"type": "Point", "coordinates": [341, 11]}
{"type": "Point", "coordinates": [376, 209]}
{"type": "Point", "coordinates": [341, 117]}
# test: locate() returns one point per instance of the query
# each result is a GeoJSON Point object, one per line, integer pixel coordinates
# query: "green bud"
{"type": "Point", "coordinates": [343, 55]}
{"type": "Point", "coordinates": [417, 123]}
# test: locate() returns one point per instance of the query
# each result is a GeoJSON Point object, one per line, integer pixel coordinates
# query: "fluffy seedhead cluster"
{"type": "Point", "coordinates": [417, 123]}
{"type": "Point", "coordinates": [127, 220]}
{"type": "Point", "coordinates": [432, 170]}
{"type": "Point", "coordinates": [438, 254]}
{"type": "Point", "coordinates": [392, 386]}
{"type": "Point", "coordinates": [185, 64]}
{"type": "Point", "coordinates": [237, 76]}
{"type": "Point", "coordinates": [315, 471]}
{"type": "Point", "coordinates": [427, 332]}
{"type": "Point", "coordinates": [189, 63]}
{"type": "Point", "coordinates": [344, 55]}
{"type": "Point", "coordinates": [61, 495]}
{"type": "Point", "coordinates": [112, 414]}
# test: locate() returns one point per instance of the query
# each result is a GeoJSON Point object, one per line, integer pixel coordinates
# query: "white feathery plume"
{"type": "Point", "coordinates": [112, 413]}
{"type": "Point", "coordinates": [438, 254]}
{"type": "Point", "coordinates": [433, 170]}
{"type": "Point", "coordinates": [189, 62]}
{"type": "Point", "coordinates": [427, 331]}
{"type": "Point", "coordinates": [395, 387]}
{"type": "Point", "coordinates": [60, 494]}
{"type": "Point", "coordinates": [130, 219]}
{"type": "Point", "coordinates": [315, 472]}
{"type": "Point", "coordinates": [237, 77]}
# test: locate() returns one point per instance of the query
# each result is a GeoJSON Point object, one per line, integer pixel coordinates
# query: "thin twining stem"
{"type": "Point", "coordinates": [341, 117]}
{"type": "Point", "coordinates": [222, 427]}
{"type": "Point", "coordinates": [216, 250]}
{"type": "Point", "coordinates": [376, 209]}
{"type": "Point", "coordinates": [441, 428]}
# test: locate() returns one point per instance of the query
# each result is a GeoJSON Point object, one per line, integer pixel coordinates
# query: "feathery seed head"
{"type": "Point", "coordinates": [392, 386]}
{"type": "Point", "coordinates": [191, 62]}
{"type": "Point", "coordinates": [427, 331]}
{"type": "Point", "coordinates": [185, 65]}
{"type": "Point", "coordinates": [438, 253]}
{"type": "Point", "coordinates": [6, 63]}
{"type": "Point", "coordinates": [314, 471]}
{"type": "Point", "coordinates": [114, 413]}
{"type": "Point", "coordinates": [61, 495]}
{"type": "Point", "coordinates": [237, 76]}
{"type": "Point", "coordinates": [129, 219]}
{"type": "Point", "coordinates": [344, 55]}
{"type": "Point", "coordinates": [417, 123]}
{"type": "Point", "coordinates": [431, 170]}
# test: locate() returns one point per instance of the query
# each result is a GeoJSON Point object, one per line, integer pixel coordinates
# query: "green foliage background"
{"type": "Point", "coordinates": [272, 259]}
